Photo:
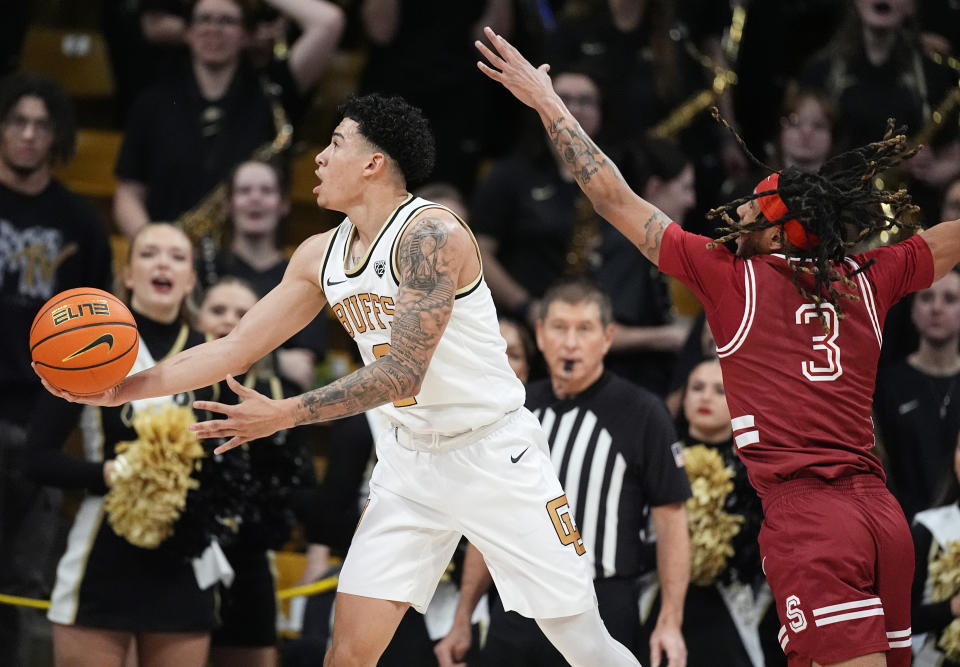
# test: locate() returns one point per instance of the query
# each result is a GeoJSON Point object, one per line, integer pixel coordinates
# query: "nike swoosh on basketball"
{"type": "Point", "coordinates": [514, 459]}
{"type": "Point", "coordinates": [105, 339]}
{"type": "Point", "coordinates": [331, 283]}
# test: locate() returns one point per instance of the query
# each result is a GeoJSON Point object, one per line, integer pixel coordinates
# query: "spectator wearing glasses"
{"type": "Point", "coordinates": [184, 134]}
{"type": "Point", "coordinates": [529, 216]}
{"type": "Point", "coordinates": [50, 240]}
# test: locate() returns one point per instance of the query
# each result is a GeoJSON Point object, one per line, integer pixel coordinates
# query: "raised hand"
{"type": "Point", "coordinates": [531, 85]}
{"type": "Point", "coordinates": [256, 416]}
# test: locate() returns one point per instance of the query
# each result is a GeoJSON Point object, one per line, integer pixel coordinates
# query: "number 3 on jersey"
{"type": "Point", "coordinates": [382, 350]}
{"type": "Point", "coordinates": [812, 370]}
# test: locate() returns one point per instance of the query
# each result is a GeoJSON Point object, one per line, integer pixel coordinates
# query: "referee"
{"type": "Point", "coordinates": [613, 445]}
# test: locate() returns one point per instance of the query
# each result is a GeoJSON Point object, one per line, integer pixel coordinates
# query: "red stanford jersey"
{"type": "Point", "coordinates": [800, 397]}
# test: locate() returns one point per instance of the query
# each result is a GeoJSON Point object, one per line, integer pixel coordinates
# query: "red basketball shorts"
{"type": "Point", "coordinates": [839, 559]}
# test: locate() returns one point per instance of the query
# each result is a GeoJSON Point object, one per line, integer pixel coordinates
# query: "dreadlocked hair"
{"type": "Point", "coordinates": [838, 204]}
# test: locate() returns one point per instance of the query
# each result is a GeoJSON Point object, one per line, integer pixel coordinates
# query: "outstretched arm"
{"type": "Point", "coordinates": [944, 242]}
{"type": "Point", "coordinates": [598, 177]}
{"type": "Point", "coordinates": [431, 255]}
{"type": "Point", "coordinates": [285, 310]}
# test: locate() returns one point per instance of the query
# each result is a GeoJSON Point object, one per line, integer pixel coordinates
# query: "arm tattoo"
{"type": "Point", "coordinates": [577, 150]}
{"type": "Point", "coordinates": [429, 268]}
{"type": "Point", "coordinates": [653, 230]}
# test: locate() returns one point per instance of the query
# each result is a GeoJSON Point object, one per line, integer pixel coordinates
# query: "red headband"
{"type": "Point", "coordinates": [773, 209]}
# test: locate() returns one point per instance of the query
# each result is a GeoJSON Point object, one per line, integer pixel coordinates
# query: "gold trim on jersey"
{"type": "Point", "coordinates": [462, 291]}
{"type": "Point", "coordinates": [356, 270]}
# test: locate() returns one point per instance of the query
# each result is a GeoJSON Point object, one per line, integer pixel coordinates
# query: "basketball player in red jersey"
{"type": "Point", "coordinates": [798, 325]}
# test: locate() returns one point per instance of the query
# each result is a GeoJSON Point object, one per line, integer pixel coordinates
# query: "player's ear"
{"type": "Point", "coordinates": [376, 162]}
{"type": "Point", "coordinates": [775, 238]}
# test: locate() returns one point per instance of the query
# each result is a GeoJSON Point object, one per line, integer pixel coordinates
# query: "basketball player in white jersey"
{"type": "Point", "coordinates": [461, 455]}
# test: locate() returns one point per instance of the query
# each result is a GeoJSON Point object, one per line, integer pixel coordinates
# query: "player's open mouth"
{"type": "Point", "coordinates": [568, 365]}
{"type": "Point", "coordinates": [162, 285]}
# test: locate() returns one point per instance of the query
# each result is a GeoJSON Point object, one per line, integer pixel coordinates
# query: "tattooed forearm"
{"type": "Point", "coordinates": [380, 382]}
{"type": "Point", "coordinates": [577, 150]}
{"type": "Point", "coordinates": [429, 268]}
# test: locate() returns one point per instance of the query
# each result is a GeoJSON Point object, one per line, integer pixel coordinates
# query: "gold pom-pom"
{"type": "Point", "coordinates": [152, 476]}
{"type": "Point", "coordinates": [711, 528]}
{"type": "Point", "coordinates": [944, 573]}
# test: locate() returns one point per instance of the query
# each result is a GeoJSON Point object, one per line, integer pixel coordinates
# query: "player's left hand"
{"type": "Point", "coordinates": [667, 639]}
{"type": "Point", "coordinates": [256, 416]}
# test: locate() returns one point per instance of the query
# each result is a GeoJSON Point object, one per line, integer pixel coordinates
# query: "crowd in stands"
{"type": "Point", "coordinates": [216, 100]}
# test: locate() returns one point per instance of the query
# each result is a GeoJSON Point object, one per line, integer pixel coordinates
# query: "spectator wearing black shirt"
{"type": "Point", "coordinates": [648, 333]}
{"type": "Point", "coordinates": [874, 69]}
{"type": "Point", "coordinates": [50, 240]}
{"type": "Point", "coordinates": [257, 203]}
{"type": "Point", "coordinates": [917, 402]}
{"type": "Point", "coordinates": [184, 134]}
{"type": "Point", "coordinates": [110, 591]}
{"type": "Point", "coordinates": [422, 50]}
{"type": "Point", "coordinates": [615, 450]}
{"type": "Point", "coordinates": [279, 467]}
{"type": "Point", "coordinates": [526, 215]}
{"type": "Point", "coordinates": [648, 63]}
{"type": "Point", "coordinates": [728, 610]}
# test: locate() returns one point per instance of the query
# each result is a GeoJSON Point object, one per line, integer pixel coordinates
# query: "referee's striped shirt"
{"type": "Point", "coordinates": [616, 453]}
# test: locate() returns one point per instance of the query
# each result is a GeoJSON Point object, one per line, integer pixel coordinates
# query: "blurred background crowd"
{"type": "Point", "coordinates": [117, 115]}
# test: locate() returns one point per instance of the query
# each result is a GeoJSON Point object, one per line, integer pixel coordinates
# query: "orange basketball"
{"type": "Point", "coordinates": [84, 341]}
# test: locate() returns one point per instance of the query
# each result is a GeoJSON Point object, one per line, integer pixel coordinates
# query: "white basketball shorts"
{"type": "Point", "coordinates": [496, 486]}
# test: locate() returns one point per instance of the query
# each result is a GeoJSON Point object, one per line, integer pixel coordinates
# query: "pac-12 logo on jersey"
{"type": "Point", "coordinates": [380, 267]}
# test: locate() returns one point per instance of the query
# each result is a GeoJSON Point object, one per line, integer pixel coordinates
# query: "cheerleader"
{"type": "Point", "coordinates": [728, 610]}
{"type": "Point", "coordinates": [933, 532]}
{"type": "Point", "coordinates": [110, 595]}
{"type": "Point", "coordinates": [278, 465]}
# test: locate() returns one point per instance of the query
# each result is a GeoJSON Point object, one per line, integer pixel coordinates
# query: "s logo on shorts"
{"type": "Point", "coordinates": [798, 622]}
{"type": "Point", "coordinates": [559, 511]}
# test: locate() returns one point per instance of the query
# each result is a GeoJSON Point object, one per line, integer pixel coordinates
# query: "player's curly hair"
{"type": "Point", "coordinates": [18, 85]}
{"type": "Point", "coordinates": [398, 129]}
{"type": "Point", "coordinates": [838, 205]}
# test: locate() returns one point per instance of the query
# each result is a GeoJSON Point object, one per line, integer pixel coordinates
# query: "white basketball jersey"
{"type": "Point", "coordinates": [468, 383]}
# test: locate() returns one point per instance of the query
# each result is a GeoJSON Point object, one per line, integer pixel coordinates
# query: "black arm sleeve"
{"type": "Point", "coordinates": [932, 617]}
{"type": "Point", "coordinates": [46, 462]}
